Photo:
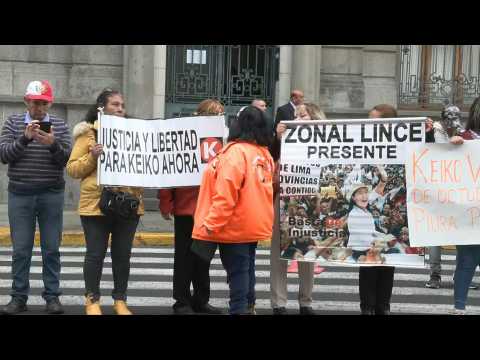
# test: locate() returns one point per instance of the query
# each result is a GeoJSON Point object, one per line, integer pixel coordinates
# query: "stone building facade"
{"type": "Point", "coordinates": [345, 80]}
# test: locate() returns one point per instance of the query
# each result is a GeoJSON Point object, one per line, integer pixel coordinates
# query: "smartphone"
{"type": "Point", "coordinates": [45, 126]}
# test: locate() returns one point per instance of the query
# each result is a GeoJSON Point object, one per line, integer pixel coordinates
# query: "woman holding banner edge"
{"type": "Point", "coordinates": [375, 283]}
{"type": "Point", "coordinates": [441, 132]}
{"type": "Point", "coordinates": [188, 267]}
{"type": "Point", "coordinates": [96, 225]}
{"type": "Point", "coordinates": [279, 268]}
{"type": "Point", "coordinates": [468, 256]}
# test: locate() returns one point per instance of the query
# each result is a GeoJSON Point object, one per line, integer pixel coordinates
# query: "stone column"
{"type": "Point", "coordinates": [125, 69]}
{"type": "Point", "coordinates": [159, 76]}
{"type": "Point", "coordinates": [144, 80]}
{"type": "Point", "coordinates": [144, 88]}
{"type": "Point", "coordinates": [318, 72]}
{"type": "Point", "coordinates": [305, 72]}
{"type": "Point", "coordinates": [139, 84]}
{"type": "Point", "coordinates": [285, 75]}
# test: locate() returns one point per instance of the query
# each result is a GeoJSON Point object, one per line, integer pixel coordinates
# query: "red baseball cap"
{"type": "Point", "coordinates": [39, 90]}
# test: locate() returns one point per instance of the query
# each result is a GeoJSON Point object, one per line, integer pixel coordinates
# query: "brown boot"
{"type": "Point", "coordinates": [92, 307]}
{"type": "Point", "coordinates": [121, 308]}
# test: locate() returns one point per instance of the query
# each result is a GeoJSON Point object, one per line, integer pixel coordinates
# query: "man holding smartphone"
{"type": "Point", "coordinates": [36, 146]}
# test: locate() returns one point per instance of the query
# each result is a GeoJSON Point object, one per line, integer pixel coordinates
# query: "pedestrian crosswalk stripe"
{"type": "Point", "coordinates": [223, 286]}
{"type": "Point", "coordinates": [133, 260]}
{"type": "Point", "coordinates": [217, 272]}
{"type": "Point", "coordinates": [335, 290]}
{"type": "Point", "coordinates": [167, 250]}
{"type": "Point", "coordinates": [169, 260]}
{"type": "Point", "coordinates": [135, 250]}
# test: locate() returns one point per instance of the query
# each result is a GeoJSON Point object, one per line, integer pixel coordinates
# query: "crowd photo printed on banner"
{"type": "Point", "coordinates": [343, 196]}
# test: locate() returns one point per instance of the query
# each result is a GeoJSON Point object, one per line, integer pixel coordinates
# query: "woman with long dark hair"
{"type": "Point", "coordinates": [235, 204]}
{"type": "Point", "coordinates": [96, 225]}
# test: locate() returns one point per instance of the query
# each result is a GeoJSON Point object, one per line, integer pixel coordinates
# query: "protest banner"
{"type": "Point", "coordinates": [157, 153]}
{"type": "Point", "coordinates": [357, 215]}
{"type": "Point", "coordinates": [443, 194]}
{"type": "Point", "coordinates": [299, 179]}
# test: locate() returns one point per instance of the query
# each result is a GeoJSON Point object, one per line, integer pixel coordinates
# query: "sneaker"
{"type": "Point", "coordinates": [433, 283]}
{"type": "Point", "coordinates": [307, 310]}
{"type": "Point", "coordinates": [207, 309]}
{"type": "Point", "coordinates": [382, 310]}
{"type": "Point", "coordinates": [183, 310]}
{"type": "Point", "coordinates": [251, 309]}
{"type": "Point", "coordinates": [457, 312]}
{"type": "Point", "coordinates": [15, 306]}
{"type": "Point", "coordinates": [280, 311]}
{"type": "Point", "coordinates": [54, 306]}
{"type": "Point", "coordinates": [368, 311]}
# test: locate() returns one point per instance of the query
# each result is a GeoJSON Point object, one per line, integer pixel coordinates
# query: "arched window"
{"type": "Point", "coordinates": [433, 75]}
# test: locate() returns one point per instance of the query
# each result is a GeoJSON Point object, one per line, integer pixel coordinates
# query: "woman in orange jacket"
{"type": "Point", "coordinates": [188, 267]}
{"type": "Point", "coordinates": [235, 205]}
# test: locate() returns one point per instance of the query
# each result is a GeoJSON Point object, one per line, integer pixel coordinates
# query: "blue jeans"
{"type": "Point", "coordinates": [239, 262]}
{"type": "Point", "coordinates": [23, 212]}
{"type": "Point", "coordinates": [251, 298]}
{"type": "Point", "coordinates": [468, 258]}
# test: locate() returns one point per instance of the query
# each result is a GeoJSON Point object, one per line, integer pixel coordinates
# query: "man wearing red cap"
{"type": "Point", "coordinates": [36, 146]}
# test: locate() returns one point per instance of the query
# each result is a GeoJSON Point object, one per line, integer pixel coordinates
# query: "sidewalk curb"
{"type": "Point", "coordinates": [77, 239]}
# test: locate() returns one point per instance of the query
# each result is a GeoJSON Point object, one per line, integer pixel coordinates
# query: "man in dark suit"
{"type": "Point", "coordinates": [287, 111]}
{"type": "Point", "coordinates": [259, 103]}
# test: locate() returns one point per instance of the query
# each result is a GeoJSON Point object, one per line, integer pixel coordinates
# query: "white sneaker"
{"type": "Point", "coordinates": [457, 312]}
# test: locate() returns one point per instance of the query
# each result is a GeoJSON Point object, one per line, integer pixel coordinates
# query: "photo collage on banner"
{"type": "Point", "coordinates": [343, 192]}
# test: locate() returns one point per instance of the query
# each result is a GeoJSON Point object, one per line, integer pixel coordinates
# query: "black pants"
{"type": "Point", "coordinates": [375, 287]}
{"type": "Point", "coordinates": [97, 230]}
{"type": "Point", "coordinates": [188, 268]}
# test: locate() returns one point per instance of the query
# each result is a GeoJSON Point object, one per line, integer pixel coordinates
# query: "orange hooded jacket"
{"type": "Point", "coordinates": [236, 196]}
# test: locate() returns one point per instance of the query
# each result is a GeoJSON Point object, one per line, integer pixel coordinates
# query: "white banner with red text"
{"type": "Point", "coordinates": [157, 153]}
